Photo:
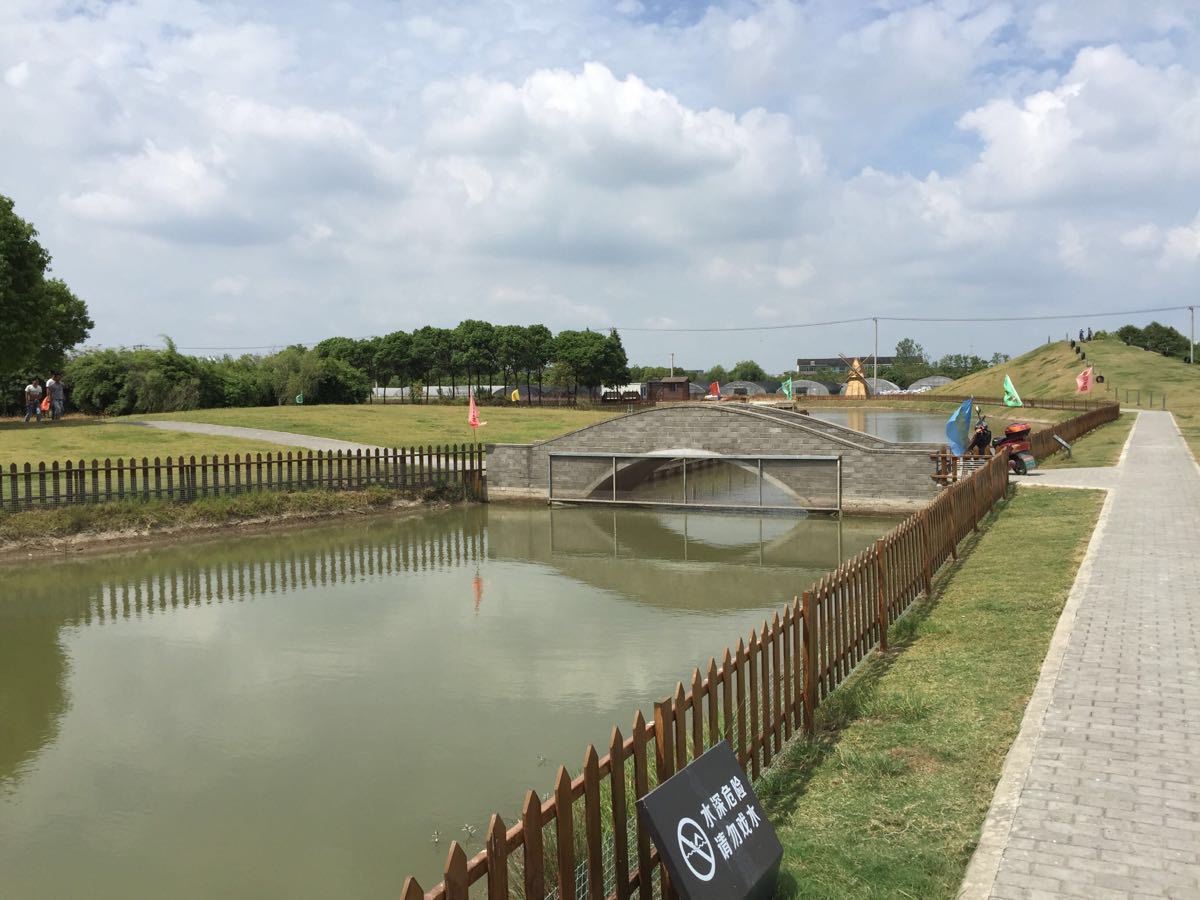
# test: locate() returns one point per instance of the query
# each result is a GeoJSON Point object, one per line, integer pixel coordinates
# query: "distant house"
{"type": "Point", "coordinates": [672, 388]}
{"type": "Point", "coordinates": [836, 364]}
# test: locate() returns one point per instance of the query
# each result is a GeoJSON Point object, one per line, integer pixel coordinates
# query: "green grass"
{"type": "Point", "coordinates": [889, 798]}
{"type": "Point", "coordinates": [1099, 447]}
{"type": "Point", "coordinates": [157, 515]}
{"type": "Point", "coordinates": [404, 425]}
{"type": "Point", "coordinates": [80, 437]}
{"type": "Point", "coordinates": [1131, 375]}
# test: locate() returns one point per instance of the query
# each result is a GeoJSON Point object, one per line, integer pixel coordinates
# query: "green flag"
{"type": "Point", "coordinates": [786, 387]}
{"type": "Point", "coordinates": [299, 398]}
{"type": "Point", "coordinates": [1011, 397]}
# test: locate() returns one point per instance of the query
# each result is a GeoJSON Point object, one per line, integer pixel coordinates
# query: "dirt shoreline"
{"type": "Point", "coordinates": [102, 542]}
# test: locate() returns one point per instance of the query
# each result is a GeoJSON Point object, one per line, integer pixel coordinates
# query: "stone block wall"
{"type": "Point", "coordinates": [877, 476]}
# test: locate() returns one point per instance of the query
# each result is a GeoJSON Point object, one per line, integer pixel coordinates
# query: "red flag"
{"type": "Point", "coordinates": [473, 415]}
{"type": "Point", "coordinates": [1083, 381]}
{"type": "Point", "coordinates": [714, 390]}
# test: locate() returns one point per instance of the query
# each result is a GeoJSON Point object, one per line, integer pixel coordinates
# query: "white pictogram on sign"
{"type": "Point", "coordinates": [696, 849]}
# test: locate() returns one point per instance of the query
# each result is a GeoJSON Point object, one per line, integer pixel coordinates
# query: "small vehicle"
{"type": "Point", "coordinates": [1016, 439]}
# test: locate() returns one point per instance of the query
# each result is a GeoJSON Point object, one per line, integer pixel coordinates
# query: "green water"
{"type": "Point", "coordinates": [295, 714]}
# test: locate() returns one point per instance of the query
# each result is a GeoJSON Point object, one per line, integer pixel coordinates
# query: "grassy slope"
{"type": "Point", "coordinates": [1050, 370]}
{"type": "Point", "coordinates": [405, 425]}
{"type": "Point", "coordinates": [889, 799]}
{"type": "Point", "coordinates": [1101, 447]}
{"type": "Point", "coordinates": [77, 437]}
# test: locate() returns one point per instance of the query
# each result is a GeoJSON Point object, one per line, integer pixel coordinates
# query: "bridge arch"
{"type": "Point", "coordinates": [878, 476]}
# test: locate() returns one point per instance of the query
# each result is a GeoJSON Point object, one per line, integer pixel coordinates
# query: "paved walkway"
{"type": "Point", "coordinates": [287, 438]}
{"type": "Point", "coordinates": [1100, 794]}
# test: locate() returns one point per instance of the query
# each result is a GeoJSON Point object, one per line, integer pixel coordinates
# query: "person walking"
{"type": "Point", "coordinates": [33, 400]}
{"type": "Point", "coordinates": [54, 389]}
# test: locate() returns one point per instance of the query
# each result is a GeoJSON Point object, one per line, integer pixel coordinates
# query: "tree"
{"type": "Point", "coordinates": [747, 370]}
{"type": "Point", "coordinates": [910, 364]}
{"type": "Point", "coordinates": [909, 351]}
{"type": "Point", "coordinates": [538, 354]}
{"type": "Point", "coordinates": [30, 336]}
{"type": "Point", "coordinates": [718, 374]}
{"type": "Point", "coordinates": [582, 355]}
{"type": "Point", "coordinates": [614, 364]}
{"type": "Point", "coordinates": [393, 357]}
{"type": "Point", "coordinates": [510, 350]}
{"type": "Point", "coordinates": [475, 350]}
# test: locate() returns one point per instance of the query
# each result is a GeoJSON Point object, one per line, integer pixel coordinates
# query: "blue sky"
{"type": "Point", "coordinates": [255, 174]}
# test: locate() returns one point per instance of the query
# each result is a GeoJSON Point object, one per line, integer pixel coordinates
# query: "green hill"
{"type": "Point", "coordinates": [1132, 376]}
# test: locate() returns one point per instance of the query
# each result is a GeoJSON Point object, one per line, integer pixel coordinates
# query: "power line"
{"type": "Point", "coordinates": [1084, 315]}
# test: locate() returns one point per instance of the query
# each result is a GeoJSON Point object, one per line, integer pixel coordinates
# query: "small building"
{"type": "Point", "coordinates": [672, 389]}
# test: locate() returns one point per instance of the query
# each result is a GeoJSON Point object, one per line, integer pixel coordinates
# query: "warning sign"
{"type": "Point", "coordinates": [711, 831]}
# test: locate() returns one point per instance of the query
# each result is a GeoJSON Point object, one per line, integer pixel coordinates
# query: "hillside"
{"type": "Point", "coordinates": [1050, 370]}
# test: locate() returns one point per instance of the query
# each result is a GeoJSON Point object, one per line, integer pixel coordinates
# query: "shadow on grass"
{"type": "Point", "coordinates": [72, 422]}
{"type": "Point", "coordinates": [782, 786]}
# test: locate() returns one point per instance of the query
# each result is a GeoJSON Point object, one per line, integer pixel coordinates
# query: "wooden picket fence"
{"type": "Point", "coordinates": [1082, 404]}
{"type": "Point", "coordinates": [187, 478]}
{"type": "Point", "coordinates": [585, 839]}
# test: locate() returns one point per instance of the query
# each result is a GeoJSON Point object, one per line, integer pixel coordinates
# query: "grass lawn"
{"type": "Point", "coordinates": [1131, 375]}
{"type": "Point", "coordinates": [79, 437]}
{"type": "Point", "coordinates": [1100, 447]}
{"type": "Point", "coordinates": [889, 798]}
{"type": "Point", "coordinates": [405, 425]}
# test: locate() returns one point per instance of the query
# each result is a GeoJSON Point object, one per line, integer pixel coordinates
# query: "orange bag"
{"type": "Point", "coordinates": [45, 404]}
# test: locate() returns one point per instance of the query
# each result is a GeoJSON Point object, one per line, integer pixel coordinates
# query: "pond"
{"type": "Point", "coordinates": [296, 713]}
{"type": "Point", "coordinates": [902, 425]}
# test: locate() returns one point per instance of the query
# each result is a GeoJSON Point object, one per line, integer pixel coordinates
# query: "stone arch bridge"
{"type": "Point", "coordinates": [877, 476]}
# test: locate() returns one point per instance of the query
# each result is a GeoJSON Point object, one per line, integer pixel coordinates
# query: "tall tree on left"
{"type": "Point", "coordinates": [40, 319]}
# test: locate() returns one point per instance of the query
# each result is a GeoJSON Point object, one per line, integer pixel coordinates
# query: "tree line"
{"type": "Point", "coordinates": [343, 370]}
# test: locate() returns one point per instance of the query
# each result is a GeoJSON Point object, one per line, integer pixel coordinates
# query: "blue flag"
{"type": "Point", "coordinates": [958, 428]}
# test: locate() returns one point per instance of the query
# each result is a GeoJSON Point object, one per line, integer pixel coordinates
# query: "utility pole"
{"type": "Point", "coordinates": [875, 376]}
{"type": "Point", "coordinates": [672, 365]}
{"type": "Point", "coordinates": [1192, 335]}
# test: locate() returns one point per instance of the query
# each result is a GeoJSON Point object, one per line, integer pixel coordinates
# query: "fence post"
{"type": "Point", "coordinates": [881, 596]}
{"type": "Point", "coordinates": [809, 662]}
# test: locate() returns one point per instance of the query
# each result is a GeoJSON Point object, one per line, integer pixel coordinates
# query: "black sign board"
{"type": "Point", "coordinates": [711, 831]}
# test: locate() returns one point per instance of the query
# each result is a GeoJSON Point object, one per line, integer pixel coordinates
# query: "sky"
{"type": "Point", "coordinates": [254, 174]}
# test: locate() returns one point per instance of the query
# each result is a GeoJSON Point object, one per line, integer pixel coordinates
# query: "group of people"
{"type": "Point", "coordinates": [1082, 338]}
{"type": "Point", "coordinates": [44, 399]}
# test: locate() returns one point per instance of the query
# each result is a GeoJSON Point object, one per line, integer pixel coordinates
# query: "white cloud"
{"type": "Point", "coordinates": [308, 171]}
{"type": "Point", "coordinates": [16, 75]}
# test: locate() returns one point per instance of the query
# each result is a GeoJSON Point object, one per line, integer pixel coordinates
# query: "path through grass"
{"type": "Point", "coordinates": [404, 425]}
{"type": "Point", "coordinates": [889, 799]}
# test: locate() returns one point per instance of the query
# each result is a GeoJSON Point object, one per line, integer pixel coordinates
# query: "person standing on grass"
{"type": "Point", "coordinates": [54, 389]}
{"type": "Point", "coordinates": [33, 399]}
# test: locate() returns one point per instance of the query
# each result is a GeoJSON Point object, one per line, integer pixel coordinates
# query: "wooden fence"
{"type": "Point", "coordinates": [1029, 402]}
{"type": "Point", "coordinates": [949, 468]}
{"type": "Point", "coordinates": [585, 839]}
{"type": "Point", "coordinates": [186, 478]}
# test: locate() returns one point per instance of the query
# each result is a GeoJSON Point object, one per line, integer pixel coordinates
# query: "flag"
{"type": "Point", "coordinates": [714, 390]}
{"type": "Point", "coordinates": [299, 398]}
{"type": "Point", "coordinates": [516, 395]}
{"type": "Point", "coordinates": [1011, 397]}
{"type": "Point", "coordinates": [473, 414]}
{"type": "Point", "coordinates": [1083, 381]}
{"type": "Point", "coordinates": [958, 428]}
{"type": "Point", "coordinates": [786, 387]}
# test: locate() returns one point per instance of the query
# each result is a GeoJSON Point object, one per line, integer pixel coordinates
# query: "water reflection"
{"type": "Point", "coordinates": [293, 714]}
{"type": "Point", "coordinates": [902, 426]}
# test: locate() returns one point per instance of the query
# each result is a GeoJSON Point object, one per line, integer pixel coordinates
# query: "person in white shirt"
{"type": "Point", "coordinates": [33, 399]}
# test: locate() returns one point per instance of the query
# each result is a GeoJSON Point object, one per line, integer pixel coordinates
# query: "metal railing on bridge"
{"type": "Point", "coordinates": [762, 482]}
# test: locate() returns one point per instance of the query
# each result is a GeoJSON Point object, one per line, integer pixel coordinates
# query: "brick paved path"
{"type": "Point", "coordinates": [1100, 796]}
